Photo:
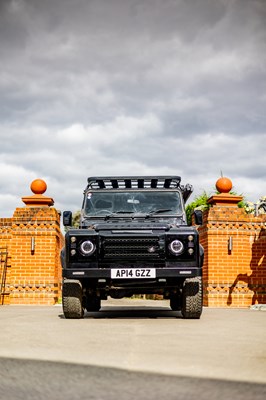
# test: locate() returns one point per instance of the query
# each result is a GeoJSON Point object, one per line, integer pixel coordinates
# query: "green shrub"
{"type": "Point", "coordinates": [199, 203]}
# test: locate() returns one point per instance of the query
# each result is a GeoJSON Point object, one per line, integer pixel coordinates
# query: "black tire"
{"type": "Point", "coordinates": [93, 303]}
{"type": "Point", "coordinates": [72, 299]}
{"type": "Point", "coordinates": [175, 302]}
{"type": "Point", "coordinates": [192, 298]}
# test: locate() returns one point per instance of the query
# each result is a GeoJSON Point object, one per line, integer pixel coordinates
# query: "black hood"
{"type": "Point", "coordinates": [132, 226]}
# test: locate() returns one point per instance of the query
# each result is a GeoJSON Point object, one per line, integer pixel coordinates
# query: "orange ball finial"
{"type": "Point", "coordinates": [38, 186]}
{"type": "Point", "coordinates": [224, 185]}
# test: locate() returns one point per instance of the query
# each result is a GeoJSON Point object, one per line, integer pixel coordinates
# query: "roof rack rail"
{"type": "Point", "coordinates": [134, 182]}
{"type": "Point", "coordinates": [140, 182]}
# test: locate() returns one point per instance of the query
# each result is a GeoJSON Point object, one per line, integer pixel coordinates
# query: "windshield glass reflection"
{"type": "Point", "coordinates": [148, 202]}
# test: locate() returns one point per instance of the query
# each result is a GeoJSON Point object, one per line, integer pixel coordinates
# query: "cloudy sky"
{"type": "Point", "coordinates": [131, 87]}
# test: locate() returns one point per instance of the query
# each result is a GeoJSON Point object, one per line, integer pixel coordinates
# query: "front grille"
{"type": "Point", "coordinates": [130, 248]}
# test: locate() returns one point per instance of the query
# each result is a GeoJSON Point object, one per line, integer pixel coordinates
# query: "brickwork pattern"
{"type": "Point", "coordinates": [233, 277]}
{"type": "Point", "coordinates": [33, 240]}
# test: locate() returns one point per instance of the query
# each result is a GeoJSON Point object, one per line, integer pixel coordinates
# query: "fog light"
{"type": "Point", "coordinates": [190, 251]}
{"type": "Point", "coordinates": [73, 252]}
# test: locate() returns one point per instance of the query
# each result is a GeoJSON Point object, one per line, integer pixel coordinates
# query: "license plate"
{"type": "Point", "coordinates": [133, 273]}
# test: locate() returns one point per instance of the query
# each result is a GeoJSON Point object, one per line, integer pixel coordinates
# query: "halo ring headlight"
{"type": "Point", "coordinates": [176, 247]}
{"type": "Point", "coordinates": [87, 248]}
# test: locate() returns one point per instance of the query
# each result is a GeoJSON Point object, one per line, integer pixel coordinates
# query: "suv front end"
{"type": "Point", "coordinates": [132, 239]}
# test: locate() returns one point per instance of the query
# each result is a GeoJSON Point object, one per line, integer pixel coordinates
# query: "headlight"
{"type": "Point", "coordinates": [87, 248]}
{"type": "Point", "coordinates": [176, 247]}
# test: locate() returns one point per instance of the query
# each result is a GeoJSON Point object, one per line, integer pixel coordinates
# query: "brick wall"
{"type": "Point", "coordinates": [232, 278]}
{"type": "Point", "coordinates": [33, 240]}
{"type": "Point", "coordinates": [236, 277]}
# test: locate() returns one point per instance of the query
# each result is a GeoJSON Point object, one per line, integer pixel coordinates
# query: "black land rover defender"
{"type": "Point", "coordinates": [133, 238]}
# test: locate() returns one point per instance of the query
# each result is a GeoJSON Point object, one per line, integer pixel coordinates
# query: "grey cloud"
{"type": "Point", "coordinates": [94, 87]}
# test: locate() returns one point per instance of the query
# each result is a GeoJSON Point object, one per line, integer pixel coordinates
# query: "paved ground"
{"type": "Point", "coordinates": [132, 349]}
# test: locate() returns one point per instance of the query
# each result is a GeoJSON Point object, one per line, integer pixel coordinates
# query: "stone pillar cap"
{"type": "Point", "coordinates": [224, 186]}
{"type": "Point", "coordinates": [38, 187]}
{"type": "Point", "coordinates": [224, 199]}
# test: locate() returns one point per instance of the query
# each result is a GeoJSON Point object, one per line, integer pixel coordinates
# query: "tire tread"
{"type": "Point", "coordinates": [192, 298]}
{"type": "Point", "coordinates": [72, 299]}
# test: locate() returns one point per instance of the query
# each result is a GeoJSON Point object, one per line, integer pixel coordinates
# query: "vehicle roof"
{"type": "Point", "coordinates": [139, 182]}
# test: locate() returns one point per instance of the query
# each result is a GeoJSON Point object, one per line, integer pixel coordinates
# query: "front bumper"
{"type": "Point", "coordinates": [105, 273]}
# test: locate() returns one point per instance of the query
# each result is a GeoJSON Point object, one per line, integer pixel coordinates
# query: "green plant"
{"type": "Point", "coordinates": [199, 203]}
{"type": "Point", "coordinates": [76, 218]}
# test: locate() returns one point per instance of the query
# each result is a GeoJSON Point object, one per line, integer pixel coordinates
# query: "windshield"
{"type": "Point", "coordinates": [133, 202]}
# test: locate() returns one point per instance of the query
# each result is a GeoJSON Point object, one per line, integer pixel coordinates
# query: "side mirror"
{"type": "Point", "coordinates": [198, 217]}
{"type": "Point", "coordinates": [67, 218]}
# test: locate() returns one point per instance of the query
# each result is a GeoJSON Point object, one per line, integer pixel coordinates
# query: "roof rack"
{"type": "Point", "coordinates": [134, 182]}
{"type": "Point", "coordinates": [140, 182]}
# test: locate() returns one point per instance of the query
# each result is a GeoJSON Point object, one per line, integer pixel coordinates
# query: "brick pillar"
{"type": "Point", "coordinates": [234, 271]}
{"type": "Point", "coordinates": [35, 276]}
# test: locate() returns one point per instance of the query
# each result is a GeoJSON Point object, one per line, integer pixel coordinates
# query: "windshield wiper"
{"type": "Point", "coordinates": [118, 212]}
{"type": "Point", "coordinates": [160, 210]}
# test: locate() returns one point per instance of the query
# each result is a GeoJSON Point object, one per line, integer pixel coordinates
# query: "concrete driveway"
{"type": "Point", "coordinates": [132, 342]}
